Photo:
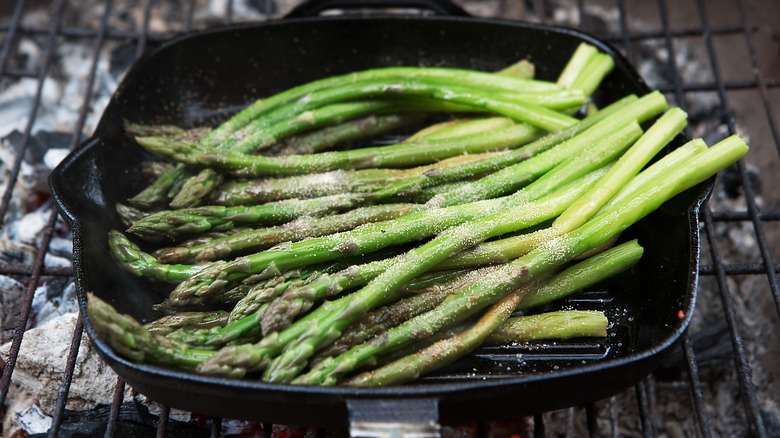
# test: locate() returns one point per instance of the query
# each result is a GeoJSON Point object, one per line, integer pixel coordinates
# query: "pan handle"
{"type": "Point", "coordinates": [313, 8]}
{"type": "Point", "coordinates": [394, 418]}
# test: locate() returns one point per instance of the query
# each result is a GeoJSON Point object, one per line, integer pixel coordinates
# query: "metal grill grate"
{"type": "Point", "coordinates": [730, 36]}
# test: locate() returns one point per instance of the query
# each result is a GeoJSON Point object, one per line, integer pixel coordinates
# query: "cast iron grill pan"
{"type": "Point", "coordinates": [204, 77]}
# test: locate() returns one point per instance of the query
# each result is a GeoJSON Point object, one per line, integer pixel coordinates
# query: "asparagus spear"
{"type": "Point", "coordinates": [493, 328]}
{"type": "Point", "coordinates": [509, 178]}
{"type": "Point", "coordinates": [357, 129]}
{"type": "Point", "coordinates": [442, 352]}
{"type": "Point", "coordinates": [169, 323]}
{"type": "Point", "coordinates": [407, 154]}
{"type": "Point", "coordinates": [563, 324]}
{"type": "Point", "coordinates": [591, 234]}
{"type": "Point", "coordinates": [132, 340]}
{"type": "Point", "coordinates": [500, 251]}
{"type": "Point", "coordinates": [176, 223]}
{"type": "Point", "coordinates": [245, 192]}
{"type": "Point", "coordinates": [259, 239]}
{"type": "Point", "coordinates": [195, 188]}
{"type": "Point", "coordinates": [618, 113]}
{"type": "Point", "coordinates": [485, 81]}
{"type": "Point", "coordinates": [293, 359]}
{"type": "Point", "coordinates": [371, 237]}
{"type": "Point", "coordinates": [574, 278]}
{"type": "Point", "coordinates": [141, 264]}
{"type": "Point", "coordinates": [291, 304]}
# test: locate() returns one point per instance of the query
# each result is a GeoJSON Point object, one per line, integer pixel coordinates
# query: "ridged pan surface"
{"type": "Point", "coordinates": [204, 77]}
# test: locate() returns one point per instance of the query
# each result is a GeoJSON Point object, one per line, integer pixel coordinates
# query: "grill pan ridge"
{"type": "Point", "coordinates": [205, 76]}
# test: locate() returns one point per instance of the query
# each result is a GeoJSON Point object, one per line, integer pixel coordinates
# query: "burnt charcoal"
{"type": "Point", "coordinates": [711, 346]}
{"type": "Point", "coordinates": [134, 420]}
{"type": "Point", "coordinates": [731, 180]}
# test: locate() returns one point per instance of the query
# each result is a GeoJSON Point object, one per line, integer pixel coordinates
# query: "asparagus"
{"type": "Point", "coordinates": [493, 328]}
{"type": "Point", "coordinates": [371, 237]}
{"type": "Point", "coordinates": [293, 359]}
{"type": "Point", "coordinates": [384, 318]}
{"type": "Point", "coordinates": [560, 250]}
{"type": "Point", "coordinates": [176, 223]}
{"type": "Point", "coordinates": [254, 240]}
{"type": "Point", "coordinates": [156, 194]}
{"type": "Point", "coordinates": [574, 278]}
{"type": "Point", "coordinates": [500, 251]}
{"type": "Point", "coordinates": [307, 116]}
{"type": "Point", "coordinates": [130, 258]}
{"type": "Point", "coordinates": [129, 215]}
{"type": "Point", "coordinates": [511, 177]}
{"type": "Point", "coordinates": [290, 304]}
{"type": "Point", "coordinates": [195, 188]}
{"type": "Point", "coordinates": [132, 340]}
{"type": "Point", "coordinates": [442, 352]}
{"type": "Point", "coordinates": [469, 78]}
{"type": "Point", "coordinates": [406, 154]}
{"type": "Point", "coordinates": [618, 113]}
{"type": "Point", "coordinates": [358, 129]}
{"type": "Point", "coordinates": [563, 324]}
{"type": "Point", "coordinates": [169, 323]}
{"type": "Point", "coordinates": [245, 192]}
{"type": "Point", "coordinates": [576, 64]}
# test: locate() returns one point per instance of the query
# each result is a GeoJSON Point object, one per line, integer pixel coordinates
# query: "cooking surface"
{"type": "Point", "coordinates": [739, 256]}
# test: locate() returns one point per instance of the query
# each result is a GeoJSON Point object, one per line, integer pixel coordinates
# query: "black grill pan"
{"type": "Point", "coordinates": [204, 77]}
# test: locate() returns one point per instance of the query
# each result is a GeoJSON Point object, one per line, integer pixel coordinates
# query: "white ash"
{"type": "Point", "coordinates": [41, 364]}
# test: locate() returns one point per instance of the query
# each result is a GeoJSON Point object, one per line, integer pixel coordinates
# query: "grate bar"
{"type": "Point", "coordinates": [144, 34]}
{"type": "Point", "coordinates": [162, 424]}
{"type": "Point", "coordinates": [695, 385]}
{"type": "Point", "coordinates": [55, 271]}
{"type": "Point", "coordinates": [13, 353]}
{"type": "Point", "coordinates": [11, 37]}
{"type": "Point", "coordinates": [743, 368]}
{"type": "Point", "coordinates": [12, 178]}
{"type": "Point", "coordinates": [62, 392]}
{"type": "Point", "coordinates": [761, 81]}
{"type": "Point", "coordinates": [645, 415]}
{"type": "Point", "coordinates": [747, 186]}
{"type": "Point", "coordinates": [736, 269]}
{"type": "Point", "coordinates": [113, 416]}
{"type": "Point", "coordinates": [74, 348]}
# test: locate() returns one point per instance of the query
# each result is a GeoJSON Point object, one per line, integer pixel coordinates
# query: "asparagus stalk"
{"type": "Point", "coordinates": [293, 303]}
{"type": "Point", "coordinates": [407, 154]}
{"type": "Point", "coordinates": [511, 177]}
{"type": "Point", "coordinates": [259, 239]}
{"type": "Point", "coordinates": [187, 320]}
{"type": "Point", "coordinates": [563, 324]}
{"type": "Point", "coordinates": [576, 64]}
{"type": "Point", "coordinates": [287, 365]}
{"type": "Point", "coordinates": [552, 325]}
{"type": "Point", "coordinates": [386, 317]}
{"type": "Point", "coordinates": [358, 129]}
{"type": "Point", "coordinates": [132, 340]}
{"type": "Point", "coordinates": [574, 278]}
{"type": "Point", "coordinates": [442, 352]}
{"type": "Point", "coordinates": [560, 250]}
{"type": "Point", "coordinates": [491, 164]}
{"type": "Point", "coordinates": [485, 81]}
{"type": "Point", "coordinates": [245, 192]}
{"type": "Point", "coordinates": [173, 224]}
{"type": "Point", "coordinates": [500, 251]}
{"type": "Point", "coordinates": [141, 264]}
{"type": "Point", "coordinates": [195, 188]}
{"type": "Point", "coordinates": [371, 237]}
